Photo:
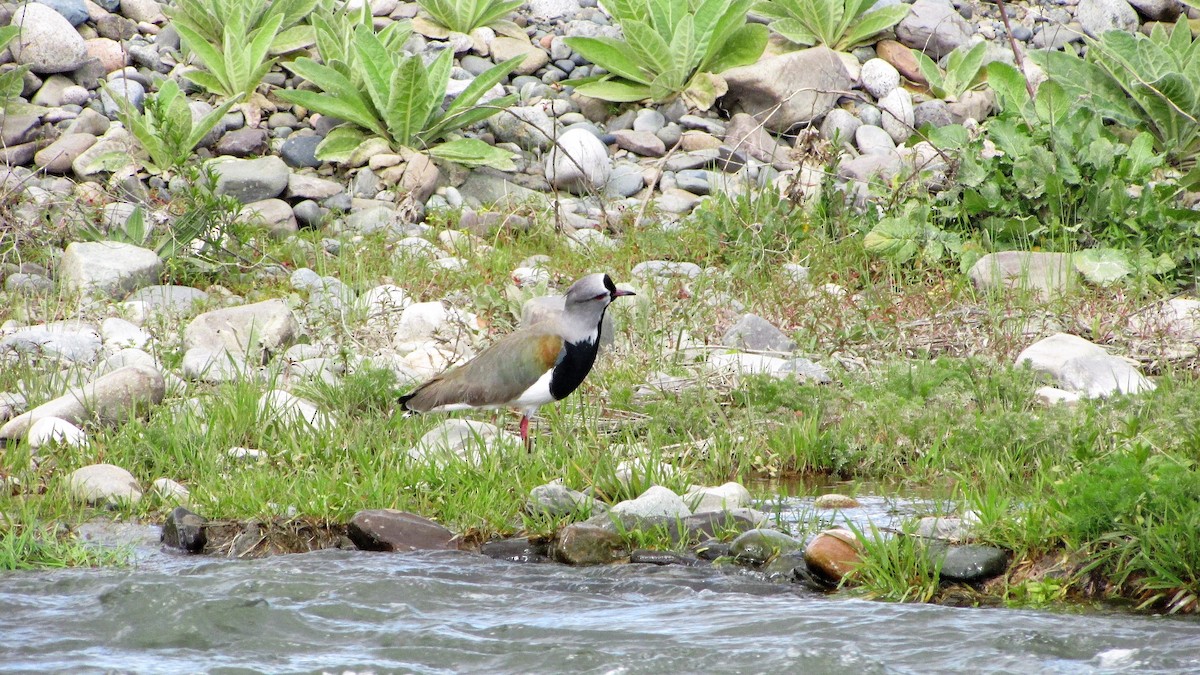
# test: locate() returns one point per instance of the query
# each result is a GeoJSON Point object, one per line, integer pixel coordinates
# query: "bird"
{"type": "Point", "coordinates": [530, 367]}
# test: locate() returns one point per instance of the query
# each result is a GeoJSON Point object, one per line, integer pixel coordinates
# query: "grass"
{"type": "Point", "coordinates": [924, 396]}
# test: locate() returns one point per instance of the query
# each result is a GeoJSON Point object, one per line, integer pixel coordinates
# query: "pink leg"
{"type": "Point", "coordinates": [525, 433]}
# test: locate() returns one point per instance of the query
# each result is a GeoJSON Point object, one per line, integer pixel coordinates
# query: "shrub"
{"type": "Point", "coordinates": [235, 50]}
{"type": "Point", "coordinates": [465, 16]}
{"type": "Point", "coordinates": [165, 130]}
{"type": "Point", "coordinates": [837, 24]}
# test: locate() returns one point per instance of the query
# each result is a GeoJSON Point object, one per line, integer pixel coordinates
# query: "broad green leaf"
{"type": "Point", "coordinates": [613, 55]}
{"type": "Point", "coordinates": [664, 17]}
{"type": "Point", "coordinates": [206, 124]}
{"type": "Point", "coordinates": [293, 39]}
{"type": "Point", "coordinates": [617, 91]}
{"type": "Point", "coordinates": [743, 48]}
{"type": "Point", "coordinates": [930, 70]}
{"type": "Point", "coordinates": [483, 83]}
{"type": "Point", "coordinates": [437, 77]}
{"type": "Point", "coordinates": [872, 24]}
{"type": "Point", "coordinates": [496, 11]}
{"type": "Point", "coordinates": [409, 91]}
{"type": "Point", "coordinates": [1009, 85]}
{"type": "Point", "coordinates": [795, 31]}
{"type": "Point", "coordinates": [1102, 266]}
{"type": "Point", "coordinates": [465, 118]}
{"type": "Point", "coordinates": [343, 109]}
{"type": "Point", "coordinates": [1052, 103]}
{"type": "Point", "coordinates": [893, 238]}
{"type": "Point", "coordinates": [208, 82]}
{"type": "Point", "coordinates": [683, 52]}
{"type": "Point", "coordinates": [473, 152]}
{"type": "Point", "coordinates": [376, 65]}
{"type": "Point", "coordinates": [648, 45]}
{"type": "Point", "coordinates": [339, 144]}
{"type": "Point", "coordinates": [704, 90]}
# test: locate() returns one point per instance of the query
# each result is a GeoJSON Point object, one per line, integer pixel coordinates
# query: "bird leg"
{"type": "Point", "coordinates": [525, 433]}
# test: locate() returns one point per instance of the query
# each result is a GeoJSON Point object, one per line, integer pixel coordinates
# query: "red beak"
{"type": "Point", "coordinates": [621, 293]}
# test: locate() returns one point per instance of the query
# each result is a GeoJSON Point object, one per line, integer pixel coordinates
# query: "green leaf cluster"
{"type": "Point", "coordinates": [910, 235]}
{"type": "Point", "coordinates": [212, 20]}
{"type": "Point", "coordinates": [1149, 82]}
{"type": "Point", "coordinates": [964, 71]}
{"type": "Point", "coordinates": [671, 47]}
{"type": "Point", "coordinates": [165, 129]}
{"type": "Point", "coordinates": [398, 99]}
{"type": "Point", "coordinates": [170, 243]}
{"type": "Point", "coordinates": [237, 60]}
{"type": "Point", "coordinates": [12, 82]}
{"type": "Point", "coordinates": [838, 24]}
{"type": "Point", "coordinates": [465, 16]}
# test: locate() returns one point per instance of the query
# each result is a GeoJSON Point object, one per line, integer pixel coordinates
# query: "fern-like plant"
{"type": "Point", "coordinates": [671, 48]}
{"type": "Point", "coordinates": [838, 24]}
{"type": "Point", "coordinates": [165, 130]}
{"type": "Point", "coordinates": [399, 99]}
{"type": "Point", "coordinates": [465, 16]}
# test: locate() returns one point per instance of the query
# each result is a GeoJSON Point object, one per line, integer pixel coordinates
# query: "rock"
{"type": "Point", "coordinates": [275, 214]}
{"type": "Point", "coordinates": [504, 48]}
{"type": "Point", "coordinates": [282, 407]}
{"type": "Point", "coordinates": [626, 180]}
{"type": "Point", "coordinates": [11, 405]}
{"type": "Point", "coordinates": [170, 491]}
{"type": "Point", "coordinates": [1083, 367]}
{"type": "Point", "coordinates": [1052, 396]}
{"type": "Point", "coordinates": [1097, 17]}
{"type": "Point", "coordinates": [553, 9]}
{"type": "Point", "coordinates": [300, 150]}
{"type": "Point", "coordinates": [948, 528]}
{"type": "Point", "coordinates": [708, 499]}
{"type": "Point", "coordinates": [748, 135]}
{"type": "Point", "coordinates": [835, 501]}
{"type": "Point", "coordinates": [121, 89]}
{"type": "Point", "coordinates": [901, 58]}
{"type": "Point", "coordinates": [55, 431]}
{"type": "Point", "coordinates": [243, 142]}
{"type": "Point", "coordinates": [119, 334]}
{"type": "Point", "coordinates": [28, 284]}
{"type": "Point", "coordinates": [398, 532]}
{"type": "Point", "coordinates": [109, 399]}
{"type": "Point", "coordinates": [74, 11]}
{"type": "Point", "coordinates": [642, 143]}
{"type": "Point", "coordinates": [934, 27]}
{"type": "Point", "coordinates": [873, 140]}
{"type": "Point", "coordinates": [642, 472]}
{"type": "Point", "coordinates": [757, 546]}
{"type": "Point", "coordinates": [462, 440]}
{"type": "Point", "coordinates": [184, 530]}
{"type": "Point", "coordinates": [898, 116]}
{"type": "Point", "coordinates": [554, 500]}
{"type": "Point", "coordinates": [103, 484]}
{"type": "Point", "coordinates": [645, 556]}
{"type": "Point", "coordinates": [755, 333]}
{"type": "Point", "coordinates": [527, 126]}
{"type": "Point", "coordinates": [517, 549]}
{"type": "Point", "coordinates": [47, 43]}
{"type": "Point", "coordinates": [143, 11]}
{"type": "Point", "coordinates": [168, 299]}
{"type": "Point", "coordinates": [1158, 10]}
{"type": "Point", "coordinates": [69, 341]}
{"type": "Point", "coordinates": [1048, 274]}
{"type": "Point", "coordinates": [971, 563]}
{"type": "Point", "coordinates": [935, 113]}
{"type": "Point", "coordinates": [578, 163]}
{"type": "Point", "coordinates": [741, 363]}
{"type": "Point", "coordinates": [841, 125]}
{"type": "Point", "coordinates": [879, 78]}
{"type": "Point", "coordinates": [580, 544]}
{"type": "Point", "coordinates": [657, 501]}
{"type": "Point", "coordinates": [107, 268]}
{"type": "Point", "coordinates": [666, 269]}
{"type": "Point", "coordinates": [251, 180]}
{"type": "Point", "coordinates": [700, 526]}
{"type": "Point", "coordinates": [385, 300]}
{"type": "Point", "coordinates": [256, 331]}
{"type": "Point", "coordinates": [675, 200]}
{"type": "Point", "coordinates": [832, 554]}
{"type": "Point", "coordinates": [91, 162]}
{"type": "Point", "coordinates": [58, 156]}
{"type": "Point", "coordinates": [790, 89]}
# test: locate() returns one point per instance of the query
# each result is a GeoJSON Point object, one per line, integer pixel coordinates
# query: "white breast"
{"type": "Point", "coordinates": [537, 394]}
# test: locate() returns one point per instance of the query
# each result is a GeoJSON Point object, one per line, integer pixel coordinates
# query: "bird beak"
{"type": "Point", "coordinates": [619, 293]}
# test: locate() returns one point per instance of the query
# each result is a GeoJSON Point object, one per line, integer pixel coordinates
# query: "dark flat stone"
{"type": "Point", "coordinates": [184, 530]}
{"type": "Point", "coordinates": [397, 531]}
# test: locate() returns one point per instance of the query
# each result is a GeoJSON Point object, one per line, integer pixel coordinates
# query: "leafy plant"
{"type": "Point", "coordinates": [671, 47]}
{"type": "Point", "coordinates": [170, 242]}
{"type": "Point", "coordinates": [11, 81]}
{"type": "Point", "coordinates": [237, 61]}
{"type": "Point", "coordinates": [208, 20]}
{"type": "Point", "coordinates": [964, 70]}
{"type": "Point", "coordinates": [907, 236]}
{"type": "Point", "coordinates": [335, 39]}
{"type": "Point", "coordinates": [399, 99]}
{"type": "Point", "coordinates": [165, 129]}
{"type": "Point", "coordinates": [838, 24]}
{"type": "Point", "coordinates": [1141, 82]}
{"type": "Point", "coordinates": [465, 16]}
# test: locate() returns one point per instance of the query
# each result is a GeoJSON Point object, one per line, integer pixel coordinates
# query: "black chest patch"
{"type": "Point", "coordinates": [574, 366]}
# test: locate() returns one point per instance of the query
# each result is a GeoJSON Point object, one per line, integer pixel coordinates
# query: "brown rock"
{"type": "Point", "coordinates": [694, 139]}
{"type": "Point", "coordinates": [790, 89]}
{"type": "Point", "coordinates": [505, 48]}
{"type": "Point", "coordinates": [835, 501]}
{"type": "Point", "coordinates": [745, 134]}
{"type": "Point", "coordinates": [901, 58]}
{"type": "Point", "coordinates": [833, 553]}
{"type": "Point", "coordinates": [641, 143]}
{"type": "Point", "coordinates": [581, 544]}
{"type": "Point", "coordinates": [397, 531]}
{"type": "Point", "coordinates": [57, 157]}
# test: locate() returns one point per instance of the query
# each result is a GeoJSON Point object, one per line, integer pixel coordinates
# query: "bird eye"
{"type": "Point", "coordinates": [601, 296]}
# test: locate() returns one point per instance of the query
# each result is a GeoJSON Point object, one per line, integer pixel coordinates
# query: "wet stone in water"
{"type": "Point", "coordinates": [184, 530]}
{"type": "Point", "coordinates": [519, 549]}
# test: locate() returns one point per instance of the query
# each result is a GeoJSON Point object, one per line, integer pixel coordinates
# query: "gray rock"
{"type": "Point", "coordinates": [934, 27]}
{"type": "Point", "coordinates": [517, 549]}
{"type": "Point", "coordinates": [1080, 366]}
{"type": "Point", "coordinates": [864, 168]}
{"type": "Point", "coordinates": [504, 48]}
{"type": "Point", "coordinates": [935, 113]}
{"type": "Point", "coordinates": [840, 124]}
{"type": "Point", "coordinates": [461, 440]}
{"type": "Point", "coordinates": [556, 501]}
{"type": "Point", "coordinates": [790, 89]}
{"type": "Point", "coordinates": [18, 129]}
{"type": "Point", "coordinates": [374, 219]}
{"type": "Point", "coordinates": [657, 501]}
{"type": "Point", "coordinates": [11, 405]}
{"type": "Point", "coordinates": [214, 365]}
{"type": "Point", "coordinates": [89, 122]}
{"type": "Point", "coordinates": [757, 546]}
{"type": "Point", "coordinates": [675, 200]}
{"type": "Point", "coordinates": [275, 214]}
{"type": "Point", "coordinates": [527, 126]}
{"type": "Point", "coordinates": [898, 117]}
{"type": "Point", "coordinates": [399, 532]}
{"type": "Point", "coordinates": [486, 186]}
{"type": "Point", "coordinates": [879, 78]}
{"type": "Point", "coordinates": [578, 163]}
{"type": "Point", "coordinates": [755, 333]}
{"type": "Point", "coordinates": [300, 150]}
{"type": "Point", "coordinates": [47, 43]}
{"type": "Point", "coordinates": [107, 268]}
{"type": "Point", "coordinates": [694, 181]}
{"type": "Point", "coordinates": [103, 484]}
{"type": "Point", "coordinates": [741, 363]}
{"type": "Point", "coordinates": [971, 563]}
{"type": "Point", "coordinates": [256, 331]}
{"type": "Point", "coordinates": [73, 11]}
{"type": "Point", "coordinates": [666, 269]}
{"type": "Point", "coordinates": [28, 284]}
{"type": "Point", "coordinates": [746, 134]}
{"type": "Point", "coordinates": [1156, 10]}
{"type": "Point", "coordinates": [59, 155]}
{"type": "Point", "coordinates": [1097, 17]}
{"type": "Point", "coordinates": [872, 140]}
{"type": "Point", "coordinates": [1048, 274]}
{"type": "Point", "coordinates": [109, 399]}
{"type": "Point", "coordinates": [168, 299]}
{"type": "Point", "coordinates": [251, 180]}
{"type": "Point", "coordinates": [643, 143]}
{"type": "Point", "coordinates": [148, 11]}
{"type": "Point", "coordinates": [123, 358]}
{"type": "Point", "coordinates": [948, 528]}
{"type": "Point", "coordinates": [54, 431]}
{"type": "Point", "coordinates": [649, 120]}
{"type": "Point", "coordinates": [625, 180]}
{"type": "Point", "coordinates": [243, 142]}
{"type": "Point", "coordinates": [731, 495]}
{"type": "Point", "coordinates": [184, 530]}
{"type": "Point", "coordinates": [280, 407]}
{"type": "Point", "coordinates": [121, 88]}
{"type": "Point", "coordinates": [581, 544]}
{"type": "Point", "coordinates": [70, 341]}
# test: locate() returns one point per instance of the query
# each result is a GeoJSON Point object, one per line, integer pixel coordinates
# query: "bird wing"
{"type": "Point", "coordinates": [497, 376]}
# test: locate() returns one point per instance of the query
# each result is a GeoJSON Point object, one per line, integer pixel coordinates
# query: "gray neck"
{"type": "Point", "coordinates": [582, 324]}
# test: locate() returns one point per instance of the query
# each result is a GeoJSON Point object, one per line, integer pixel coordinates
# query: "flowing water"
{"type": "Point", "coordinates": [451, 612]}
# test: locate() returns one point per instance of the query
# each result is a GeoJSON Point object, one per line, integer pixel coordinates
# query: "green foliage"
{"type": "Point", "coordinates": [398, 99]}
{"type": "Point", "coordinates": [211, 20]}
{"type": "Point", "coordinates": [903, 237]}
{"type": "Point", "coordinates": [165, 129]}
{"type": "Point", "coordinates": [465, 16]}
{"type": "Point", "coordinates": [12, 82]}
{"type": "Point", "coordinates": [1141, 82]}
{"type": "Point", "coordinates": [838, 24]}
{"type": "Point", "coordinates": [234, 50]}
{"type": "Point", "coordinates": [48, 546]}
{"type": "Point", "coordinates": [1045, 172]}
{"type": "Point", "coordinates": [895, 567]}
{"type": "Point", "coordinates": [964, 71]}
{"type": "Point", "coordinates": [335, 40]}
{"type": "Point", "coordinates": [1138, 513]}
{"type": "Point", "coordinates": [671, 48]}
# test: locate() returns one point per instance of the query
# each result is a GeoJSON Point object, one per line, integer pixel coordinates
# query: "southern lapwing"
{"type": "Point", "coordinates": [529, 367]}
